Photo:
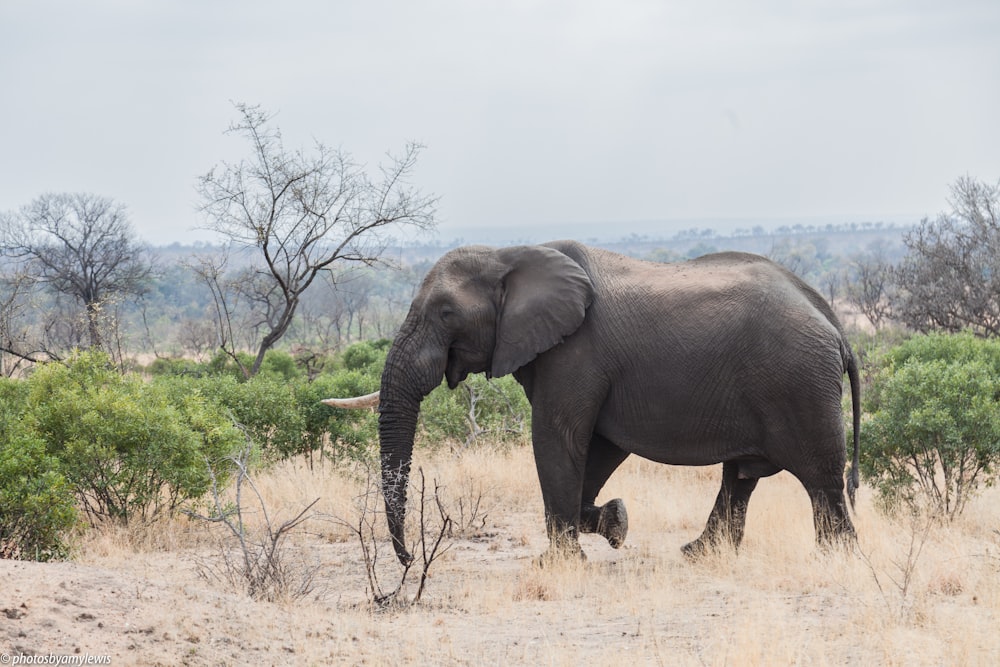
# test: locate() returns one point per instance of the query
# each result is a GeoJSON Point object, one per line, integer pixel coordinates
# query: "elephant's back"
{"type": "Point", "coordinates": [725, 289]}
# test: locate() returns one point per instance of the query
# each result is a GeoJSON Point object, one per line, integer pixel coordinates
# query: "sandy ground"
{"type": "Point", "coordinates": [778, 601]}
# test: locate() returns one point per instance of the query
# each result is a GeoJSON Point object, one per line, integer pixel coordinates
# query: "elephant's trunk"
{"type": "Point", "coordinates": [407, 378]}
{"type": "Point", "coordinates": [397, 426]}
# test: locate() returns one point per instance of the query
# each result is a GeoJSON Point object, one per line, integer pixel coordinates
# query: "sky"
{"type": "Point", "coordinates": [589, 119]}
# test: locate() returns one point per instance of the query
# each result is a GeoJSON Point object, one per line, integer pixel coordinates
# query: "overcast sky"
{"type": "Point", "coordinates": [696, 113]}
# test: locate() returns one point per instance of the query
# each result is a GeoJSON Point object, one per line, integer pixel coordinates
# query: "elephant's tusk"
{"type": "Point", "coordinates": [354, 403]}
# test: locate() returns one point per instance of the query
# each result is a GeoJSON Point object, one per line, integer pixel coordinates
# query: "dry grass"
{"type": "Point", "coordinates": [779, 601]}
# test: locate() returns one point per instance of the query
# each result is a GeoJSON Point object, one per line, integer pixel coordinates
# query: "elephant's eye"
{"type": "Point", "coordinates": [447, 314]}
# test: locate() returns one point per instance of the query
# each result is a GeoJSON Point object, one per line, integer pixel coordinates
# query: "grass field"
{"type": "Point", "coordinates": [911, 593]}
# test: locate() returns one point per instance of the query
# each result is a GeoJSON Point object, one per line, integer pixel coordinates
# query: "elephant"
{"type": "Point", "coordinates": [728, 358]}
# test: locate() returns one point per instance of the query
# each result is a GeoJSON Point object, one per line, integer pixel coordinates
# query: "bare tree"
{"type": "Point", "coordinates": [831, 282]}
{"type": "Point", "coordinates": [82, 246]}
{"type": "Point", "coordinates": [18, 343]}
{"type": "Point", "coordinates": [322, 320]}
{"type": "Point", "coordinates": [257, 559]}
{"type": "Point", "coordinates": [434, 524]}
{"type": "Point", "coordinates": [197, 337]}
{"type": "Point", "coordinates": [798, 257]}
{"type": "Point", "coordinates": [234, 324]}
{"type": "Point", "coordinates": [871, 289]}
{"type": "Point", "coordinates": [301, 213]}
{"type": "Point", "coordinates": [950, 276]}
{"type": "Point", "coordinates": [355, 291]}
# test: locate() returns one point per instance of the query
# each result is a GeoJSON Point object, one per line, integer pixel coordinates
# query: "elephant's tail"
{"type": "Point", "coordinates": [853, 480]}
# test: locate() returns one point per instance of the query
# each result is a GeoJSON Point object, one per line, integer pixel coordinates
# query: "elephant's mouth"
{"type": "Point", "coordinates": [462, 363]}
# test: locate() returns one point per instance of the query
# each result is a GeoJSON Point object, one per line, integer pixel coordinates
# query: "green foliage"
{"type": "Point", "coordinates": [281, 411]}
{"type": "Point", "coordinates": [952, 348]}
{"type": "Point", "coordinates": [83, 436]}
{"type": "Point", "coordinates": [129, 449]}
{"type": "Point", "coordinates": [367, 356]}
{"type": "Point", "coordinates": [175, 366]}
{"type": "Point", "coordinates": [36, 503]}
{"type": "Point", "coordinates": [338, 434]}
{"type": "Point", "coordinates": [277, 364]}
{"type": "Point", "coordinates": [478, 408]}
{"type": "Point", "coordinates": [335, 433]}
{"type": "Point", "coordinates": [933, 435]}
{"type": "Point", "coordinates": [264, 407]}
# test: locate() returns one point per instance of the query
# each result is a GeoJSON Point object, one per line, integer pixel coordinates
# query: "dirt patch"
{"type": "Point", "coordinates": [778, 602]}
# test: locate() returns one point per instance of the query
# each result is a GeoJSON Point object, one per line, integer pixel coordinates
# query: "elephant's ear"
{"type": "Point", "coordinates": [544, 297]}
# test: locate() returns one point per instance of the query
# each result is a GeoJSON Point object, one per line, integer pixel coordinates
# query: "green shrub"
{"type": "Point", "coordinates": [367, 356]}
{"type": "Point", "coordinates": [279, 365]}
{"type": "Point", "coordinates": [280, 410]}
{"type": "Point", "coordinates": [933, 434]}
{"type": "Point", "coordinates": [496, 410]}
{"type": "Point", "coordinates": [175, 366]}
{"type": "Point", "coordinates": [951, 348]}
{"type": "Point", "coordinates": [129, 449]}
{"type": "Point", "coordinates": [336, 433]}
{"type": "Point", "coordinates": [36, 503]}
{"type": "Point", "coordinates": [263, 407]}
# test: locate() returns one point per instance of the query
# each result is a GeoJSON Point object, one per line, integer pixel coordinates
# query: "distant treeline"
{"type": "Point", "coordinates": [685, 243]}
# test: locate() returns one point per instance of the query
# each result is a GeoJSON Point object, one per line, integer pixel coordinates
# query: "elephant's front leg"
{"type": "Point", "coordinates": [560, 464]}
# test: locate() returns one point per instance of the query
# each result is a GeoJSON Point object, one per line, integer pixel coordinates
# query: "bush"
{"type": "Point", "coordinates": [162, 366]}
{"type": "Point", "coordinates": [280, 408]}
{"type": "Point", "coordinates": [280, 365]}
{"type": "Point", "coordinates": [952, 348]}
{"type": "Point", "coordinates": [350, 434]}
{"type": "Point", "coordinates": [36, 503]}
{"type": "Point", "coordinates": [277, 364]}
{"type": "Point", "coordinates": [368, 356]}
{"type": "Point", "coordinates": [933, 435]}
{"type": "Point", "coordinates": [263, 407]}
{"type": "Point", "coordinates": [129, 449]}
{"type": "Point", "coordinates": [478, 408]}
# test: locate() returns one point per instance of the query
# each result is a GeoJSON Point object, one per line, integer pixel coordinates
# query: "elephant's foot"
{"type": "Point", "coordinates": [834, 529]}
{"type": "Point", "coordinates": [833, 542]}
{"type": "Point", "coordinates": [613, 522]}
{"type": "Point", "coordinates": [696, 549]}
{"type": "Point", "coordinates": [707, 545]}
{"type": "Point", "coordinates": [564, 545]}
{"type": "Point", "coordinates": [561, 553]}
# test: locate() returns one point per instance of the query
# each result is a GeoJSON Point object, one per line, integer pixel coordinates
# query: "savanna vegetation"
{"type": "Point", "coordinates": [915, 592]}
{"type": "Point", "coordinates": [177, 391]}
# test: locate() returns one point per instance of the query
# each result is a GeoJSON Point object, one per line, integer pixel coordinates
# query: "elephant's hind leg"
{"type": "Point", "coordinates": [830, 517]}
{"type": "Point", "coordinates": [825, 486]}
{"type": "Point", "coordinates": [728, 518]}
{"type": "Point", "coordinates": [611, 519]}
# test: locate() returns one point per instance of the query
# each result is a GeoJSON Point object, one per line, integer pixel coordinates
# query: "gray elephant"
{"type": "Point", "coordinates": [727, 358]}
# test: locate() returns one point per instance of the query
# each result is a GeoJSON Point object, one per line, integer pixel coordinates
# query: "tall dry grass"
{"type": "Point", "coordinates": [911, 593]}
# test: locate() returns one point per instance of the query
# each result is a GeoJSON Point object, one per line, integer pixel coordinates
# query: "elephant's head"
{"type": "Point", "coordinates": [478, 310]}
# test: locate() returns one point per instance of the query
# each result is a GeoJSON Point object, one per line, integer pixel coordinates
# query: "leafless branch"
{"type": "Point", "coordinates": [260, 564]}
{"type": "Point", "coordinates": [302, 213]}
{"type": "Point", "coordinates": [950, 279]}
{"type": "Point", "coordinates": [82, 246]}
